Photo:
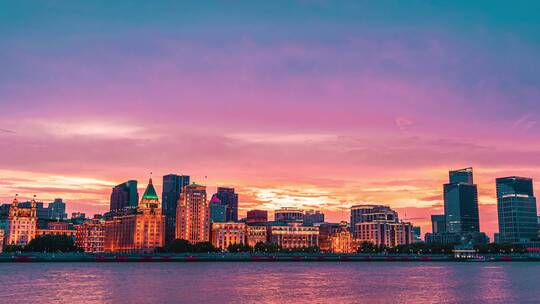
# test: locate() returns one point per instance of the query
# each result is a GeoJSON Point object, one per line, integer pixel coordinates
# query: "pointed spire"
{"type": "Point", "coordinates": [15, 200]}
{"type": "Point", "coordinates": [150, 192]}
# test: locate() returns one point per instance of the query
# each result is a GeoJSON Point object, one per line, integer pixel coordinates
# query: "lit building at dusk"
{"type": "Point", "coordinates": [256, 234]}
{"type": "Point", "coordinates": [90, 236]}
{"type": "Point", "coordinates": [229, 198]}
{"type": "Point", "coordinates": [140, 230]}
{"type": "Point", "coordinates": [22, 223]}
{"type": "Point", "coordinates": [289, 215]}
{"type": "Point", "coordinates": [172, 187]}
{"type": "Point", "coordinates": [337, 238]}
{"type": "Point", "coordinates": [193, 215]}
{"type": "Point", "coordinates": [461, 202]}
{"type": "Point", "coordinates": [256, 216]}
{"type": "Point", "coordinates": [294, 235]}
{"type": "Point", "coordinates": [229, 233]}
{"type": "Point", "coordinates": [368, 213]}
{"type": "Point", "coordinates": [516, 209]}
{"type": "Point", "coordinates": [380, 225]}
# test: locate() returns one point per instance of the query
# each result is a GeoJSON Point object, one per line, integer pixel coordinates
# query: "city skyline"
{"type": "Point", "coordinates": [289, 105]}
{"type": "Point", "coordinates": [420, 222]}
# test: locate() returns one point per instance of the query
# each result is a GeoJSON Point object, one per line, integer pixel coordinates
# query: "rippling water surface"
{"type": "Point", "coordinates": [270, 283]}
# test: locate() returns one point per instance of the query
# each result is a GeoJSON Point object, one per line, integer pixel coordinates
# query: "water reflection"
{"type": "Point", "coordinates": [270, 283]}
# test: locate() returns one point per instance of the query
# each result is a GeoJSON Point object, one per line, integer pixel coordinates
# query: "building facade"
{"type": "Point", "coordinates": [289, 215]}
{"type": "Point", "coordinates": [256, 234]}
{"type": "Point", "coordinates": [389, 234]}
{"type": "Point", "coordinates": [90, 236]}
{"type": "Point", "coordinates": [142, 231]}
{"type": "Point", "coordinates": [461, 202]}
{"type": "Point", "coordinates": [438, 223]}
{"type": "Point", "coordinates": [294, 235]}
{"type": "Point", "coordinates": [124, 195]}
{"type": "Point", "coordinates": [228, 197]}
{"type": "Point", "coordinates": [368, 213]}
{"type": "Point", "coordinates": [172, 187]}
{"type": "Point", "coordinates": [257, 216]}
{"type": "Point", "coordinates": [57, 210]}
{"type": "Point", "coordinates": [312, 217]}
{"type": "Point", "coordinates": [229, 233]}
{"type": "Point", "coordinates": [218, 210]}
{"type": "Point", "coordinates": [337, 238]}
{"type": "Point", "coordinates": [22, 223]}
{"type": "Point", "coordinates": [193, 215]}
{"type": "Point", "coordinates": [516, 210]}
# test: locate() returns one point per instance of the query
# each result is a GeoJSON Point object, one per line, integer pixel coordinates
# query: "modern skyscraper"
{"type": "Point", "coordinates": [124, 195]}
{"type": "Point", "coordinates": [438, 223]}
{"type": "Point", "coordinates": [228, 197]}
{"type": "Point", "coordinates": [57, 210]}
{"type": "Point", "coordinates": [516, 208]}
{"type": "Point", "coordinates": [193, 215]}
{"type": "Point", "coordinates": [172, 187]}
{"type": "Point", "coordinates": [461, 202]}
{"type": "Point", "coordinates": [218, 210]}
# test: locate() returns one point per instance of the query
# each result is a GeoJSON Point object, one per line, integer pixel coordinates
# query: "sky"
{"type": "Point", "coordinates": [310, 104]}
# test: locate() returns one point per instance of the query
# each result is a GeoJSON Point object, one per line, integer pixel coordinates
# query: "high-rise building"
{"type": "Point", "coordinates": [367, 213]}
{"type": "Point", "coordinates": [22, 223]}
{"type": "Point", "coordinates": [193, 215]}
{"type": "Point", "coordinates": [228, 197]}
{"type": "Point", "coordinates": [461, 202]}
{"type": "Point", "coordinates": [141, 230]}
{"type": "Point", "coordinates": [313, 216]}
{"type": "Point", "coordinates": [516, 208]}
{"type": "Point", "coordinates": [257, 216]}
{"type": "Point", "coordinates": [57, 210]}
{"type": "Point", "coordinates": [124, 195]}
{"type": "Point", "coordinates": [218, 210]}
{"type": "Point", "coordinates": [172, 187]}
{"type": "Point", "coordinates": [226, 234]}
{"type": "Point", "coordinates": [289, 215]}
{"type": "Point", "coordinates": [438, 223]}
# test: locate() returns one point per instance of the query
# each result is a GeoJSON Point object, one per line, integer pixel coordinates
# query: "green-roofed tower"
{"type": "Point", "coordinates": [149, 198]}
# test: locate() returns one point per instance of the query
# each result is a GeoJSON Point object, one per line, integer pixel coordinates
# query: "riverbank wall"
{"type": "Point", "coordinates": [247, 257]}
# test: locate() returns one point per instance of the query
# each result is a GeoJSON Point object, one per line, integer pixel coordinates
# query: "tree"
{"type": "Point", "coordinates": [14, 248]}
{"type": "Point", "coordinates": [52, 243]}
{"type": "Point", "coordinates": [203, 247]}
{"type": "Point", "coordinates": [266, 247]}
{"type": "Point", "coordinates": [369, 247]}
{"type": "Point", "coordinates": [179, 246]}
{"type": "Point", "coordinates": [239, 248]}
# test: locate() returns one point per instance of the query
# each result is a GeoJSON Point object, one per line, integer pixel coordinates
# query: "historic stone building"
{"type": "Point", "coordinates": [138, 231]}
{"type": "Point", "coordinates": [22, 223]}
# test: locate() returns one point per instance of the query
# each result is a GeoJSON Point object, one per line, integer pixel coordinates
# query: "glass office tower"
{"type": "Point", "coordinates": [516, 209]}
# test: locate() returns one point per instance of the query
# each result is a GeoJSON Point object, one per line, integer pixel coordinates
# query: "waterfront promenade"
{"type": "Point", "coordinates": [258, 257]}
